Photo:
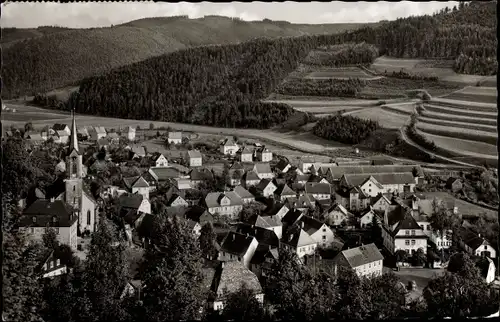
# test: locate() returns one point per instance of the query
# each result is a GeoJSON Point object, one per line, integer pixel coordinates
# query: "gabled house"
{"type": "Point", "coordinates": [283, 166]}
{"type": "Point", "coordinates": [138, 185]}
{"type": "Point", "coordinates": [244, 194]}
{"type": "Point", "coordinates": [380, 202]}
{"type": "Point", "coordinates": [199, 215]}
{"type": "Point", "coordinates": [245, 154]}
{"type": "Point", "coordinates": [195, 158]}
{"type": "Point", "coordinates": [263, 170]}
{"type": "Point", "coordinates": [381, 182]}
{"type": "Point", "coordinates": [474, 244]}
{"type": "Point", "coordinates": [334, 174]}
{"type": "Point", "coordinates": [227, 204]}
{"type": "Point", "coordinates": [264, 155]}
{"type": "Point", "coordinates": [317, 179]}
{"type": "Point", "coordinates": [336, 215]}
{"type": "Point", "coordinates": [265, 237]}
{"type": "Point", "coordinates": [229, 277]}
{"type": "Point", "coordinates": [229, 147]}
{"type": "Point", "coordinates": [303, 202]}
{"type": "Point", "coordinates": [175, 199]}
{"type": "Point", "coordinates": [198, 175]}
{"type": "Point", "coordinates": [250, 179]}
{"type": "Point", "coordinates": [63, 128]}
{"type": "Point", "coordinates": [265, 188]}
{"type": "Point", "coordinates": [299, 241]}
{"type": "Point", "coordinates": [159, 160]}
{"type": "Point", "coordinates": [318, 231]}
{"type": "Point", "coordinates": [237, 247]}
{"type": "Point", "coordinates": [283, 192]}
{"type": "Point", "coordinates": [278, 209]}
{"type": "Point", "coordinates": [35, 139]}
{"type": "Point", "coordinates": [305, 164]}
{"type": "Point", "coordinates": [134, 201]}
{"type": "Point", "coordinates": [130, 133]}
{"type": "Point", "coordinates": [165, 175]}
{"type": "Point", "coordinates": [291, 218]}
{"type": "Point", "coordinates": [50, 213]}
{"type": "Point", "coordinates": [263, 261]}
{"type": "Point", "coordinates": [320, 191]}
{"type": "Point", "coordinates": [365, 260]}
{"type": "Point", "coordinates": [136, 152]}
{"type": "Point", "coordinates": [454, 184]}
{"type": "Point", "coordinates": [487, 268]}
{"type": "Point", "coordinates": [353, 199]}
{"type": "Point", "coordinates": [271, 223]}
{"type": "Point", "coordinates": [174, 137]}
{"type": "Point", "coordinates": [236, 172]}
{"type": "Point", "coordinates": [51, 266]}
{"type": "Point", "coordinates": [83, 134]}
{"type": "Point", "coordinates": [96, 132]}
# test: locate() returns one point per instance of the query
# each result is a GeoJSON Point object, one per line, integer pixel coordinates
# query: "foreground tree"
{"type": "Point", "coordinates": [207, 239]}
{"type": "Point", "coordinates": [250, 210]}
{"type": "Point", "coordinates": [386, 296]}
{"type": "Point", "coordinates": [443, 221]}
{"type": "Point", "coordinates": [172, 273]}
{"type": "Point", "coordinates": [353, 303]}
{"type": "Point", "coordinates": [243, 305]}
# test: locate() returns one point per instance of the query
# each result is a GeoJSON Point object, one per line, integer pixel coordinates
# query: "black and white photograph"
{"type": "Point", "coordinates": [255, 161]}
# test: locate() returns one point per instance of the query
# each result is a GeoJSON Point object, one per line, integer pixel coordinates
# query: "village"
{"type": "Point", "coordinates": [367, 215]}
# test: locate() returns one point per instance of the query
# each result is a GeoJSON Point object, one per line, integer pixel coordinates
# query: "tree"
{"type": "Point", "coordinates": [386, 296]}
{"type": "Point", "coordinates": [251, 210]}
{"type": "Point", "coordinates": [242, 305]}
{"type": "Point", "coordinates": [442, 221]}
{"type": "Point", "coordinates": [28, 127]}
{"type": "Point", "coordinates": [460, 263]}
{"type": "Point", "coordinates": [50, 239]}
{"type": "Point", "coordinates": [376, 232]}
{"type": "Point", "coordinates": [353, 302]}
{"type": "Point", "coordinates": [207, 239]}
{"type": "Point", "coordinates": [151, 126]}
{"type": "Point", "coordinates": [419, 258]}
{"type": "Point", "coordinates": [172, 273]}
{"type": "Point", "coordinates": [401, 256]}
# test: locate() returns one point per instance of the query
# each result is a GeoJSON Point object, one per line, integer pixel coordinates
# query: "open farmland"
{"type": "Point", "coordinates": [460, 111]}
{"type": "Point", "coordinates": [386, 119]}
{"type": "Point", "coordinates": [439, 68]}
{"type": "Point", "coordinates": [459, 118]}
{"type": "Point", "coordinates": [457, 132]}
{"type": "Point", "coordinates": [466, 105]}
{"type": "Point", "coordinates": [463, 147]}
{"type": "Point", "coordinates": [475, 94]}
{"type": "Point", "coordinates": [340, 73]}
{"type": "Point", "coordinates": [465, 125]}
{"type": "Point", "coordinates": [405, 109]}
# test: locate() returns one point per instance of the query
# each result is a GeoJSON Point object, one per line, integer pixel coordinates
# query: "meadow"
{"type": "Point", "coordinates": [458, 132]}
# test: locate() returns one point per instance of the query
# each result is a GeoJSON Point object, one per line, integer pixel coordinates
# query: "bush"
{"type": "Point", "coordinates": [344, 129]}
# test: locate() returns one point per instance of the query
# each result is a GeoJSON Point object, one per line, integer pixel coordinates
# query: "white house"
{"type": "Point", "coordinates": [228, 203]}
{"type": "Point", "coordinates": [130, 133]}
{"type": "Point", "coordinates": [97, 132]}
{"type": "Point", "coordinates": [283, 192]}
{"type": "Point", "coordinates": [272, 223]}
{"type": "Point", "coordinates": [366, 218]}
{"type": "Point", "coordinates": [300, 242]}
{"type": "Point", "coordinates": [52, 266]}
{"type": "Point", "coordinates": [283, 166]}
{"type": "Point", "coordinates": [195, 158]}
{"type": "Point", "coordinates": [263, 170]}
{"type": "Point", "coordinates": [245, 154]}
{"type": "Point", "coordinates": [318, 231]}
{"type": "Point", "coordinates": [305, 164]}
{"type": "Point", "coordinates": [474, 244]}
{"type": "Point", "coordinates": [380, 202]}
{"type": "Point", "coordinates": [266, 188]}
{"type": "Point", "coordinates": [229, 147]}
{"type": "Point", "coordinates": [159, 160]}
{"type": "Point", "coordinates": [336, 215]}
{"type": "Point", "coordinates": [136, 202]}
{"type": "Point", "coordinates": [174, 137]}
{"type": "Point", "coordinates": [381, 182]}
{"type": "Point", "coordinates": [320, 191]}
{"type": "Point", "coordinates": [244, 194]}
{"type": "Point", "coordinates": [365, 260]}
{"type": "Point", "coordinates": [264, 155]}
{"type": "Point", "coordinates": [238, 247]}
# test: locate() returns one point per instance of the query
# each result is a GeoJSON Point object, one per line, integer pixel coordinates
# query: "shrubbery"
{"type": "Point", "coordinates": [344, 129]}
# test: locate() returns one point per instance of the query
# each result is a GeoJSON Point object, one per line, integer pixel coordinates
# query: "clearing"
{"type": "Point", "coordinates": [385, 118]}
{"type": "Point", "coordinates": [340, 73]}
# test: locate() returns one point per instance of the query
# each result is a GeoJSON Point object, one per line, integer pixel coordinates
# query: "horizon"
{"type": "Point", "coordinates": [96, 15]}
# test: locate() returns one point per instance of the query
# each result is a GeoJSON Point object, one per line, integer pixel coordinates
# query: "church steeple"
{"type": "Point", "coordinates": [73, 143]}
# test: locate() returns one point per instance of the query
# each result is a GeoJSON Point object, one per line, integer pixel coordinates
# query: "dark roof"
{"type": "Point", "coordinates": [230, 276]}
{"type": "Point", "coordinates": [55, 189]}
{"type": "Point", "coordinates": [263, 236]}
{"type": "Point", "coordinates": [263, 184]}
{"type": "Point", "coordinates": [164, 174]}
{"type": "Point", "coordinates": [470, 238]}
{"type": "Point", "coordinates": [338, 172]}
{"type": "Point", "coordinates": [273, 209]}
{"type": "Point", "coordinates": [311, 225]}
{"type": "Point", "coordinates": [200, 174]}
{"type": "Point", "coordinates": [45, 212]}
{"type": "Point", "coordinates": [195, 212]}
{"type": "Point", "coordinates": [451, 181]}
{"type": "Point", "coordinates": [261, 253]}
{"type": "Point", "coordinates": [129, 181]}
{"type": "Point", "coordinates": [284, 190]}
{"type": "Point", "coordinates": [408, 222]}
{"type": "Point", "coordinates": [174, 191]}
{"type": "Point", "coordinates": [292, 216]}
{"type": "Point", "coordinates": [282, 164]}
{"type": "Point", "coordinates": [250, 176]}
{"type": "Point", "coordinates": [236, 244]}
{"type": "Point", "coordinates": [318, 188]}
{"type": "Point", "coordinates": [131, 201]}
{"type": "Point", "coordinates": [59, 127]}
{"type": "Point", "coordinates": [483, 263]}
{"type": "Point", "coordinates": [297, 238]}
{"type": "Point", "coordinates": [315, 178]}
{"type": "Point", "coordinates": [245, 150]}
{"type": "Point", "coordinates": [382, 162]}
{"type": "Point", "coordinates": [362, 255]}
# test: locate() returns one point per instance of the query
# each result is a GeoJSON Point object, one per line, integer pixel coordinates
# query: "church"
{"type": "Point", "coordinates": [68, 206]}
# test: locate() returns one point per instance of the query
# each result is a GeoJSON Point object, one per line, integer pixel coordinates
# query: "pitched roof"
{"type": "Point", "coordinates": [236, 243]}
{"type": "Point", "coordinates": [113, 135]}
{"type": "Point", "coordinates": [130, 201]}
{"type": "Point", "coordinates": [311, 225]}
{"type": "Point", "coordinates": [129, 181]}
{"type": "Point", "coordinates": [339, 207]}
{"type": "Point", "coordinates": [130, 129]}
{"type": "Point", "coordinates": [35, 137]}
{"type": "Point", "coordinates": [292, 216]}
{"type": "Point", "coordinates": [338, 172]}
{"type": "Point", "coordinates": [228, 142]}
{"type": "Point", "coordinates": [382, 178]}
{"type": "Point", "coordinates": [200, 174]}
{"type": "Point", "coordinates": [231, 276]}
{"type": "Point", "coordinates": [234, 198]}
{"type": "Point", "coordinates": [175, 135]}
{"type": "Point", "coordinates": [99, 129]}
{"type": "Point", "coordinates": [261, 253]}
{"type": "Point", "coordinates": [194, 154]}
{"type": "Point", "coordinates": [282, 164]}
{"type": "Point", "coordinates": [60, 127]}
{"type": "Point", "coordinates": [362, 255]}
{"type": "Point", "coordinates": [263, 236]}
{"type": "Point", "coordinates": [156, 156]}
{"type": "Point", "coordinates": [298, 239]}
{"type": "Point", "coordinates": [262, 167]}
{"type": "Point", "coordinates": [377, 198]}
{"type": "Point", "coordinates": [242, 192]}
{"type": "Point", "coordinates": [304, 200]}
{"type": "Point", "coordinates": [212, 199]}
{"type": "Point", "coordinates": [250, 176]}
{"type": "Point", "coordinates": [471, 239]}
{"type": "Point", "coordinates": [408, 222]}
{"type": "Point", "coordinates": [245, 150]}
{"type": "Point", "coordinates": [452, 180]}
{"type": "Point", "coordinates": [263, 184]}
{"type": "Point", "coordinates": [139, 150]}
{"type": "Point", "coordinates": [237, 166]}
{"type": "Point", "coordinates": [163, 174]}
{"type": "Point", "coordinates": [45, 211]}
{"type": "Point", "coordinates": [266, 221]}
{"type": "Point", "coordinates": [284, 190]}
{"type": "Point", "coordinates": [318, 188]}
{"type": "Point", "coordinates": [273, 209]}
{"type": "Point", "coordinates": [195, 212]}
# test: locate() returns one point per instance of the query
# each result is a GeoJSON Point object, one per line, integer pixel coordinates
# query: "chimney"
{"type": "Point", "coordinates": [222, 264]}
{"type": "Point", "coordinates": [302, 225]}
{"type": "Point", "coordinates": [479, 235]}
{"type": "Point", "coordinates": [290, 238]}
{"type": "Point", "coordinates": [234, 237]}
{"type": "Point", "coordinates": [52, 199]}
{"type": "Point", "coordinates": [248, 235]}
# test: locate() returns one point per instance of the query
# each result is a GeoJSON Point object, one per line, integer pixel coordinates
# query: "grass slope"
{"type": "Point", "coordinates": [464, 125]}
{"type": "Point", "coordinates": [460, 133]}
{"type": "Point", "coordinates": [459, 118]}
{"type": "Point", "coordinates": [44, 61]}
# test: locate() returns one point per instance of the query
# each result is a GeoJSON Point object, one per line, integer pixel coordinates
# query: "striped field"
{"type": "Point", "coordinates": [457, 132]}
{"type": "Point", "coordinates": [464, 125]}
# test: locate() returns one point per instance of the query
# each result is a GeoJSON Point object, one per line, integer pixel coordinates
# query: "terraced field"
{"type": "Point", "coordinates": [405, 109]}
{"type": "Point", "coordinates": [460, 110]}
{"type": "Point", "coordinates": [475, 94]}
{"type": "Point", "coordinates": [458, 132]}
{"type": "Point", "coordinates": [385, 118]}
{"type": "Point", "coordinates": [463, 147]}
{"type": "Point", "coordinates": [340, 73]}
{"type": "Point", "coordinates": [465, 125]}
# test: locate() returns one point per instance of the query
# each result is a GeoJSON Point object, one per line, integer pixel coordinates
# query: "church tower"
{"type": "Point", "coordinates": [74, 168]}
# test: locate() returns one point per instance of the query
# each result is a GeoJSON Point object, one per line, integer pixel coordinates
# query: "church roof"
{"type": "Point", "coordinates": [73, 141]}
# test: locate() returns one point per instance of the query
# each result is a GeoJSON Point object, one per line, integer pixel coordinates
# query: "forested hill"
{"type": "Point", "coordinates": [38, 60]}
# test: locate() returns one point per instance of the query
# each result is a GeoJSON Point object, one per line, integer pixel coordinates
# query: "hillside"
{"type": "Point", "coordinates": [37, 60]}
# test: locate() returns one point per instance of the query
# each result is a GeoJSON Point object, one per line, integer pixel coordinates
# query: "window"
{"type": "Point", "coordinates": [369, 190]}
{"type": "Point", "coordinates": [413, 232]}
{"type": "Point", "coordinates": [413, 241]}
{"type": "Point", "coordinates": [74, 165]}
{"type": "Point", "coordinates": [34, 219]}
{"type": "Point", "coordinates": [32, 230]}
{"type": "Point", "coordinates": [407, 242]}
{"type": "Point", "coordinates": [324, 230]}
{"type": "Point", "coordinates": [428, 227]}
{"type": "Point", "coordinates": [407, 232]}
{"type": "Point", "coordinates": [422, 226]}
{"type": "Point", "coordinates": [324, 237]}
{"type": "Point", "coordinates": [88, 217]}
{"type": "Point", "coordinates": [369, 185]}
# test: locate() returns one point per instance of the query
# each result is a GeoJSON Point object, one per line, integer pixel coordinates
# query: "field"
{"type": "Point", "coordinates": [404, 109]}
{"type": "Point", "coordinates": [340, 73]}
{"type": "Point", "coordinates": [386, 119]}
{"type": "Point", "coordinates": [465, 105]}
{"type": "Point", "coordinates": [472, 98]}
{"type": "Point", "coordinates": [459, 110]}
{"type": "Point", "coordinates": [465, 125]}
{"type": "Point", "coordinates": [458, 132]}
{"type": "Point", "coordinates": [441, 69]}
{"type": "Point", "coordinates": [463, 147]}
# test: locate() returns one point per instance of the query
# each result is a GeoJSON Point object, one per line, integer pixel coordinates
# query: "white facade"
{"type": "Point", "coordinates": [370, 269]}
{"type": "Point", "coordinates": [229, 149]}
{"type": "Point", "coordinates": [366, 220]}
{"type": "Point", "coordinates": [305, 166]}
{"type": "Point", "coordinates": [161, 161]}
{"type": "Point", "coordinates": [195, 162]}
{"type": "Point", "coordinates": [410, 240]}
{"type": "Point", "coordinates": [336, 217]}
{"type": "Point", "coordinates": [65, 235]}
{"type": "Point", "coordinates": [56, 272]}
{"type": "Point", "coordinates": [321, 196]}
{"type": "Point", "coordinates": [388, 188]}
{"type": "Point", "coordinates": [246, 157]}
{"type": "Point", "coordinates": [266, 156]}
{"type": "Point", "coordinates": [144, 191]}
{"type": "Point", "coordinates": [371, 189]}
{"type": "Point", "coordinates": [324, 237]}
{"type": "Point", "coordinates": [219, 305]}
{"type": "Point", "coordinates": [269, 190]}
{"type": "Point", "coordinates": [245, 259]}
{"type": "Point", "coordinates": [145, 206]}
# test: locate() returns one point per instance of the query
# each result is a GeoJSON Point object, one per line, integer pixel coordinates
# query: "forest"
{"type": "Point", "coordinates": [345, 129]}
{"type": "Point", "coordinates": [321, 87]}
{"type": "Point", "coordinates": [349, 54]}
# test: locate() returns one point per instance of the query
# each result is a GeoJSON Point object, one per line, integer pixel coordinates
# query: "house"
{"type": "Point", "coordinates": [487, 268]}
{"type": "Point", "coordinates": [229, 147]}
{"type": "Point", "coordinates": [263, 260]}
{"type": "Point", "coordinates": [301, 178]}
{"type": "Point", "coordinates": [244, 194]}
{"type": "Point", "coordinates": [283, 192]}
{"type": "Point", "coordinates": [283, 166]}
{"type": "Point", "coordinates": [113, 138]}
{"type": "Point", "coordinates": [336, 215]}
{"type": "Point", "coordinates": [96, 132]}
{"type": "Point", "coordinates": [299, 241]}
{"type": "Point", "coordinates": [34, 193]}
{"type": "Point", "coordinates": [35, 138]}
{"type": "Point", "coordinates": [227, 204]}
{"type": "Point", "coordinates": [366, 218]}
{"type": "Point", "coordinates": [334, 174]}
{"type": "Point", "coordinates": [195, 158]}
{"type": "Point", "coordinates": [174, 138]}
{"type": "Point", "coordinates": [199, 215]}
{"type": "Point", "coordinates": [164, 175]}
{"type": "Point", "coordinates": [159, 160]}
{"type": "Point", "coordinates": [278, 209]}
{"type": "Point", "coordinates": [130, 133]}
{"type": "Point", "coordinates": [137, 152]}
{"type": "Point", "coordinates": [61, 167]}
{"type": "Point", "coordinates": [236, 172]}
{"type": "Point", "coordinates": [61, 137]}
{"type": "Point", "coordinates": [245, 154]}
{"type": "Point", "coordinates": [250, 179]}
{"type": "Point", "coordinates": [237, 247]}
{"type": "Point", "coordinates": [263, 170]}
{"type": "Point", "coordinates": [52, 213]}
{"type": "Point", "coordinates": [103, 143]}
{"type": "Point", "coordinates": [265, 188]}
{"type": "Point", "coordinates": [265, 237]}
{"type": "Point", "coordinates": [229, 277]}
{"type": "Point", "coordinates": [305, 164]}
{"type": "Point", "coordinates": [303, 202]}
{"type": "Point", "coordinates": [264, 155]}
{"type": "Point", "coordinates": [473, 243]}
{"type": "Point", "coordinates": [83, 133]}
{"type": "Point", "coordinates": [352, 199]}
{"type": "Point", "coordinates": [365, 260]}
{"type": "Point", "coordinates": [454, 184]}
{"type": "Point", "coordinates": [62, 128]}
{"type": "Point", "coordinates": [175, 198]}
{"type": "Point", "coordinates": [401, 231]}
{"type": "Point", "coordinates": [51, 266]}
{"type": "Point", "coordinates": [320, 191]}
{"type": "Point", "coordinates": [317, 179]}
{"type": "Point", "coordinates": [138, 185]}
{"type": "Point", "coordinates": [271, 223]}
{"type": "Point", "coordinates": [292, 217]}
{"type": "Point", "coordinates": [380, 202]}
{"type": "Point", "coordinates": [199, 175]}
{"type": "Point", "coordinates": [148, 177]}
{"type": "Point", "coordinates": [318, 231]}
{"type": "Point", "coordinates": [135, 202]}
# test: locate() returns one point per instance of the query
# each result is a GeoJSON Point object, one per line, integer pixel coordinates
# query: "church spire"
{"type": "Point", "coordinates": [73, 143]}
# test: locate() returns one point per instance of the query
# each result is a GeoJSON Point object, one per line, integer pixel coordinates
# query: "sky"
{"type": "Point", "coordinates": [104, 14]}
